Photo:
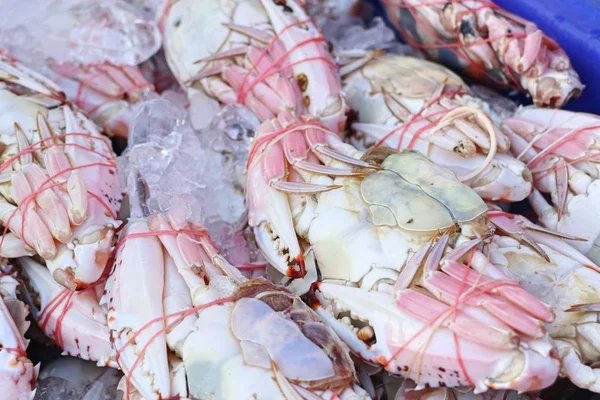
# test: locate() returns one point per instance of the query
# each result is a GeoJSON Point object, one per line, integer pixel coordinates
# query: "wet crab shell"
{"type": "Point", "coordinates": [267, 55]}
{"type": "Point", "coordinates": [401, 101]}
{"type": "Point", "coordinates": [59, 189]}
{"type": "Point", "coordinates": [405, 207]}
{"type": "Point", "coordinates": [246, 328]}
{"type": "Point", "coordinates": [417, 195]}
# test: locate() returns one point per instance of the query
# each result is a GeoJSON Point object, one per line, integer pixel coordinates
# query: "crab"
{"type": "Point", "coordinates": [206, 330]}
{"type": "Point", "coordinates": [398, 242]}
{"type": "Point", "coordinates": [265, 54]}
{"type": "Point", "coordinates": [59, 193]}
{"type": "Point", "coordinates": [488, 43]}
{"type": "Point", "coordinates": [399, 102]}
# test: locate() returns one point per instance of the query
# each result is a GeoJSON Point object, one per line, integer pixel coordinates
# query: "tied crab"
{"type": "Point", "coordinates": [562, 150]}
{"type": "Point", "coordinates": [59, 193]}
{"type": "Point", "coordinates": [17, 372]}
{"type": "Point", "coordinates": [206, 331]}
{"type": "Point", "coordinates": [400, 101]}
{"type": "Point", "coordinates": [486, 42]}
{"type": "Point", "coordinates": [90, 51]}
{"type": "Point", "coordinates": [265, 54]}
{"type": "Point", "coordinates": [106, 92]}
{"type": "Point", "coordinates": [398, 242]}
{"type": "Point", "coordinates": [568, 282]}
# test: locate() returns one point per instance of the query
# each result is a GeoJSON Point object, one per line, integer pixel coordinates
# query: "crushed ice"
{"type": "Point", "coordinates": [169, 164]}
{"type": "Point", "coordinates": [77, 31]}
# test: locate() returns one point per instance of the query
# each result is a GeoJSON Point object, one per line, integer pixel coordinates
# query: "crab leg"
{"type": "Point", "coordinates": [408, 342]}
{"type": "Point", "coordinates": [61, 191]}
{"type": "Point", "coordinates": [74, 320]}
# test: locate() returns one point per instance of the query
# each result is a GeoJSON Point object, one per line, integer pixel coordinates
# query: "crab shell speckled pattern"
{"type": "Point", "coordinates": [363, 230]}
{"type": "Point", "coordinates": [399, 101]}
{"type": "Point", "coordinates": [60, 193]}
{"type": "Point", "coordinates": [211, 45]}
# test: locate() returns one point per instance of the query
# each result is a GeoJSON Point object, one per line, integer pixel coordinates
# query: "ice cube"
{"type": "Point", "coordinates": [73, 378]}
{"type": "Point", "coordinates": [169, 164]}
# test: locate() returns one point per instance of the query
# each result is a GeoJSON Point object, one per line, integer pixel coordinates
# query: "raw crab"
{"type": "Point", "coordinates": [400, 101]}
{"type": "Point", "coordinates": [59, 191]}
{"type": "Point", "coordinates": [227, 336]}
{"type": "Point", "coordinates": [265, 54]}
{"type": "Point", "coordinates": [106, 92]}
{"type": "Point", "coordinates": [485, 42]}
{"type": "Point", "coordinates": [90, 50]}
{"type": "Point", "coordinates": [562, 150]}
{"type": "Point", "coordinates": [372, 223]}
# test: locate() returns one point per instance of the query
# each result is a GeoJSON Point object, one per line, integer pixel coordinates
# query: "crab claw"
{"type": "Point", "coordinates": [271, 216]}
{"type": "Point", "coordinates": [74, 320]}
{"type": "Point", "coordinates": [419, 337]}
{"type": "Point", "coordinates": [138, 327]}
{"type": "Point", "coordinates": [17, 372]}
{"type": "Point", "coordinates": [60, 189]}
{"type": "Point", "coordinates": [310, 61]}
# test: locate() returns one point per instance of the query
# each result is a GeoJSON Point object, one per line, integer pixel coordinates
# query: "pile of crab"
{"type": "Point", "coordinates": [379, 190]}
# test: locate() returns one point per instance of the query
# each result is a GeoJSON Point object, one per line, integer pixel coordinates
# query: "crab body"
{"type": "Point", "coordinates": [267, 337]}
{"type": "Point", "coordinates": [264, 54]}
{"type": "Point", "coordinates": [400, 101]}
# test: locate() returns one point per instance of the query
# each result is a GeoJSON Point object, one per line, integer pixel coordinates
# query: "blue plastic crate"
{"type": "Point", "coordinates": [575, 26]}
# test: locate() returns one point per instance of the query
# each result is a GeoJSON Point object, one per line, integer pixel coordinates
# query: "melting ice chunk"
{"type": "Point", "coordinates": [73, 378]}
{"type": "Point", "coordinates": [169, 164]}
